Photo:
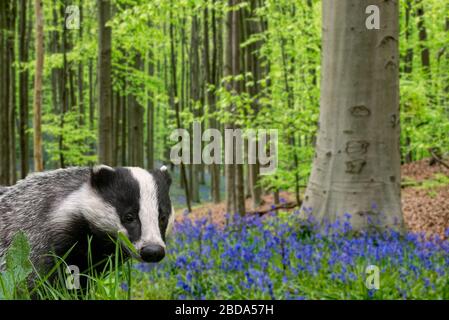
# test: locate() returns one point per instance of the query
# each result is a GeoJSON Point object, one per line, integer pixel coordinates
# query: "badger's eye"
{"type": "Point", "coordinates": [129, 217]}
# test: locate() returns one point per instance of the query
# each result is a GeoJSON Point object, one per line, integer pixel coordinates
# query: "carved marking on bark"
{"type": "Point", "coordinates": [348, 131]}
{"type": "Point", "coordinates": [394, 120]}
{"type": "Point", "coordinates": [329, 153]}
{"type": "Point", "coordinates": [357, 147]}
{"type": "Point", "coordinates": [385, 40]}
{"type": "Point", "coordinates": [355, 166]}
{"type": "Point", "coordinates": [390, 64]}
{"type": "Point", "coordinates": [360, 111]}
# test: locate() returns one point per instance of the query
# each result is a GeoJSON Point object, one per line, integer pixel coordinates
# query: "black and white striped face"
{"type": "Point", "coordinates": [139, 205]}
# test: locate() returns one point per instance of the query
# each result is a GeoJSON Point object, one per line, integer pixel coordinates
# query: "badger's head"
{"type": "Point", "coordinates": [133, 201]}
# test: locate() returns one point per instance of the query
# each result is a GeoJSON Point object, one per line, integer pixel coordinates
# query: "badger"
{"type": "Point", "coordinates": [70, 210]}
{"type": "Point", "coordinates": [3, 190]}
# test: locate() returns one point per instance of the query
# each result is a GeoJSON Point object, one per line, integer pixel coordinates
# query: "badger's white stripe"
{"type": "Point", "coordinates": [171, 222]}
{"type": "Point", "coordinates": [97, 168]}
{"type": "Point", "coordinates": [86, 202]}
{"type": "Point", "coordinates": [149, 211]}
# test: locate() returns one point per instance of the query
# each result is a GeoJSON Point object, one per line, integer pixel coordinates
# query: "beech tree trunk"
{"type": "Point", "coordinates": [235, 201]}
{"type": "Point", "coordinates": [356, 168]}
{"type": "Point", "coordinates": [135, 123]}
{"type": "Point", "coordinates": [425, 53]}
{"type": "Point", "coordinates": [195, 99]}
{"type": "Point", "coordinates": [39, 42]}
{"type": "Point", "coordinates": [24, 37]}
{"type": "Point", "coordinates": [105, 140]}
{"type": "Point", "coordinates": [150, 117]}
{"type": "Point", "coordinates": [210, 71]}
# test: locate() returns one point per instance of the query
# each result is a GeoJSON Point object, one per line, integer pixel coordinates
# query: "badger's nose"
{"type": "Point", "coordinates": [152, 253]}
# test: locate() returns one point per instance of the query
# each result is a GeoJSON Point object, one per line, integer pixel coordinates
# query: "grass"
{"type": "Point", "coordinates": [277, 257]}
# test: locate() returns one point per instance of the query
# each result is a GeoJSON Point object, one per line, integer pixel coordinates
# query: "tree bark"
{"type": "Point", "coordinates": [39, 42]}
{"type": "Point", "coordinates": [150, 118]}
{"type": "Point", "coordinates": [176, 106]}
{"type": "Point", "coordinates": [356, 168]}
{"type": "Point", "coordinates": [135, 124]}
{"type": "Point", "coordinates": [5, 85]}
{"type": "Point", "coordinates": [24, 38]}
{"type": "Point", "coordinates": [254, 67]}
{"type": "Point", "coordinates": [105, 139]}
{"type": "Point", "coordinates": [425, 53]}
{"type": "Point", "coordinates": [11, 25]}
{"type": "Point", "coordinates": [232, 67]}
{"type": "Point", "coordinates": [195, 100]}
{"type": "Point", "coordinates": [227, 72]}
{"type": "Point", "coordinates": [82, 109]}
{"type": "Point", "coordinates": [210, 70]}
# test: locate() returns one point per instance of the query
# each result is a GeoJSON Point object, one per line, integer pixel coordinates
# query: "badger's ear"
{"type": "Point", "coordinates": [166, 174]}
{"type": "Point", "coordinates": [101, 176]}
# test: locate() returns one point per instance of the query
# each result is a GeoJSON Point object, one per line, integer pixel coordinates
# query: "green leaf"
{"type": "Point", "coordinates": [17, 257]}
{"type": "Point", "coordinates": [18, 267]}
{"type": "Point", "coordinates": [124, 239]}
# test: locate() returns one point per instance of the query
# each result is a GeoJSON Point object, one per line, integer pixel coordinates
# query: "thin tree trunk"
{"type": "Point", "coordinates": [227, 72]}
{"type": "Point", "coordinates": [150, 117]}
{"type": "Point", "coordinates": [176, 106]}
{"type": "Point", "coordinates": [91, 96]}
{"type": "Point", "coordinates": [210, 69]}
{"type": "Point", "coordinates": [82, 109]}
{"type": "Point", "coordinates": [24, 38]}
{"type": "Point", "coordinates": [237, 35]}
{"type": "Point", "coordinates": [105, 139]}
{"type": "Point", "coordinates": [195, 99]}
{"type": "Point", "coordinates": [124, 127]}
{"type": "Point", "coordinates": [408, 68]}
{"type": "Point", "coordinates": [232, 67]}
{"type": "Point", "coordinates": [4, 95]}
{"type": "Point", "coordinates": [39, 42]}
{"type": "Point", "coordinates": [291, 136]}
{"type": "Point", "coordinates": [253, 66]}
{"type": "Point", "coordinates": [12, 91]}
{"type": "Point", "coordinates": [55, 72]}
{"type": "Point", "coordinates": [135, 124]}
{"type": "Point", "coordinates": [425, 53]}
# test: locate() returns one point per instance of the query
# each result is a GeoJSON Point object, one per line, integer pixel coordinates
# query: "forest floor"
{"type": "Point", "coordinates": [425, 200]}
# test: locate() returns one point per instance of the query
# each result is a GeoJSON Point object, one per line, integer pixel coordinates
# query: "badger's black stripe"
{"type": "Point", "coordinates": [83, 240]}
{"type": "Point", "coordinates": [119, 188]}
{"type": "Point", "coordinates": [163, 181]}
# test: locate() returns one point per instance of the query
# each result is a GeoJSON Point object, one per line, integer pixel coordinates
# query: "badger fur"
{"type": "Point", "coordinates": [3, 190]}
{"type": "Point", "coordinates": [59, 210]}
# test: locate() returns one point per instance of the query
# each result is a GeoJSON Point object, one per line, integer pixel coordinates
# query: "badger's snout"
{"type": "Point", "coordinates": [152, 253]}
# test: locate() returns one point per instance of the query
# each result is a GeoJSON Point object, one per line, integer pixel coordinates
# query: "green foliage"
{"type": "Point", "coordinates": [439, 180]}
{"type": "Point", "coordinates": [13, 281]}
{"type": "Point", "coordinates": [284, 96]}
{"type": "Point", "coordinates": [424, 91]}
{"type": "Point", "coordinates": [67, 138]}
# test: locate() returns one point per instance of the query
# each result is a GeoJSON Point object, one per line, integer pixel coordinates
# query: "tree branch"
{"type": "Point", "coordinates": [438, 159]}
{"type": "Point", "coordinates": [288, 205]}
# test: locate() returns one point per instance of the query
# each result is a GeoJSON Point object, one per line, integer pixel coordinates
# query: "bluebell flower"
{"type": "Point", "coordinates": [124, 286]}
